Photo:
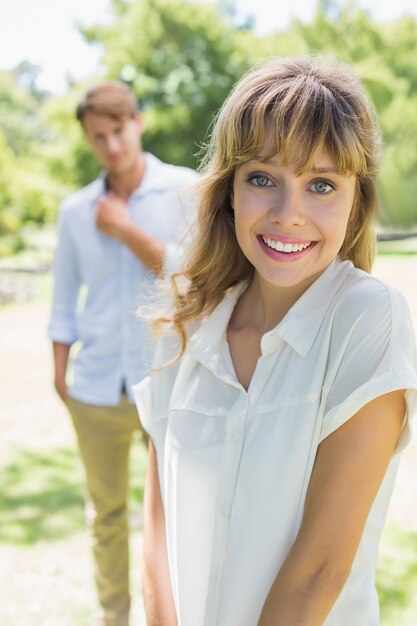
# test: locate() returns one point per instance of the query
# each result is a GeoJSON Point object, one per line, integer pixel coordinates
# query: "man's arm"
{"type": "Point", "coordinates": [349, 468]}
{"type": "Point", "coordinates": [63, 322]}
{"type": "Point", "coordinates": [61, 353]}
{"type": "Point", "coordinates": [157, 592]}
{"type": "Point", "coordinates": [112, 219]}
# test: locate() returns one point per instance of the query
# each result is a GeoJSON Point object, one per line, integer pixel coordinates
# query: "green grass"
{"type": "Point", "coordinates": [42, 497]}
{"type": "Point", "coordinates": [397, 577]}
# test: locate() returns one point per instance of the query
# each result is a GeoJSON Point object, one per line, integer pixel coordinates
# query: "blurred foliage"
{"type": "Point", "coordinates": [28, 193]}
{"type": "Point", "coordinates": [181, 66]}
{"type": "Point", "coordinates": [384, 57]}
{"type": "Point", "coordinates": [69, 158]}
{"type": "Point", "coordinates": [19, 101]}
{"type": "Point", "coordinates": [397, 577]}
{"type": "Point", "coordinates": [184, 62]}
{"type": "Point", "coordinates": [181, 57]}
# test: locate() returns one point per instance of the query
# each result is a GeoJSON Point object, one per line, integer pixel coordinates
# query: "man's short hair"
{"type": "Point", "coordinates": [111, 98]}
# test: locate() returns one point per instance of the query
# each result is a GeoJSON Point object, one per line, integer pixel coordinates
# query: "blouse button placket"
{"type": "Point", "coordinates": [229, 469]}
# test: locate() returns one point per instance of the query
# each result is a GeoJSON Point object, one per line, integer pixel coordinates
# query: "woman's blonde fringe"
{"type": "Point", "coordinates": [316, 104]}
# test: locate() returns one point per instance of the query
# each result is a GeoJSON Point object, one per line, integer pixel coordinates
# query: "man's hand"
{"type": "Point", "coordinates": [61, 353]}
{"type": "Point", "coordinates": [61, 389]}
{"type": "Point", "coordinates": [112, 217]}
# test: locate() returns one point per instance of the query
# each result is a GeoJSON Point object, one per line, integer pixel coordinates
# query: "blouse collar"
{"type": "Point", "coordinates": [298, 328]}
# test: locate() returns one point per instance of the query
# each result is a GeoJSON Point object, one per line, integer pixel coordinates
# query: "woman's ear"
{"type": "Point", "coordinates": [231, 199]}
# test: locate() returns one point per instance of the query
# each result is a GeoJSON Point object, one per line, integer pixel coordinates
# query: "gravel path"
{"type": "Point", "coordinates": [49, 584]}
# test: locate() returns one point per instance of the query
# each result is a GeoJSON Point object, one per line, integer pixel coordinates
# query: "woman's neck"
{"type": "Point", "coordinates": [262, 306]}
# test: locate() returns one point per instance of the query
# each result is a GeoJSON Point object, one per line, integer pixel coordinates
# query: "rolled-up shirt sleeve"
{"type": "Point", "coordinates": [375, 356]}
{"type": "Point", "coordinates": [67, 282]}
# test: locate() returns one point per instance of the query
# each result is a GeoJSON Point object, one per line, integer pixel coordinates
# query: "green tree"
{"type": "Point", "coordinates": [181, 59]}
{"type": "Point", "coordinates": [68, 157]}
{"type": "Point", "coordinates": [384, 58]}
{"type": "Point", "coordinates": [19, 114]}
{"type": "Point", "coordinates": [28, 195]}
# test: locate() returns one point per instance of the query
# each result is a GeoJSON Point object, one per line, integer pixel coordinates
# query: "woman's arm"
{"type": "Point", "coordinates": [157, 592]}
{"type": "Point", "coordinates": [349, 468]}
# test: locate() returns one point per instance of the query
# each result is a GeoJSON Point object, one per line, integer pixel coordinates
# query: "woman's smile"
{"type": "Point", "coordinates": [283, 249]}
{"type": "Point", "coordinates": [291, 225]}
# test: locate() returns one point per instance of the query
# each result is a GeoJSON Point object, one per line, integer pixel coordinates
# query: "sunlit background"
{"type": "Point", "coordinates": [181, 58]}
{"type": "Point", "coordinates": [45, 33]}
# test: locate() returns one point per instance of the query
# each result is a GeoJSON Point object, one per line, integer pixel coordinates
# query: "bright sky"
{"type": "Point", "coordinates": [44, 31]}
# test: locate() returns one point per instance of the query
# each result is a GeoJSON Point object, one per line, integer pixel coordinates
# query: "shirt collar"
{"type": "Point", "coordinates": [152, 179]}
{"type": "Point", "coordinates": [205, 343]}
{"type": "Point", "coordinates": [298, 328]}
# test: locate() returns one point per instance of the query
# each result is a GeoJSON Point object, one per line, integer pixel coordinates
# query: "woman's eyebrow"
{"type": "Point", "coordinates": [324, 170]}
{"type": "Point", "coordinates": [314, 169]}
{"type": "Point", "coordinates": [260, 160]}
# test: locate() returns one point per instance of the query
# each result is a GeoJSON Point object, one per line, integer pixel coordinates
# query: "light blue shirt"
{"type": "Point", "coordinates": [113, 341]}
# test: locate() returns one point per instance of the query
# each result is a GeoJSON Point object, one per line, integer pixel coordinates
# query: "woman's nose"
{"type": "Point", "coordinates": [288, 208]}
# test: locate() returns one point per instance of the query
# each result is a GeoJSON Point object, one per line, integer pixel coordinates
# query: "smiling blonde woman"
{"type": "Point", "coordinates": [285, 374]}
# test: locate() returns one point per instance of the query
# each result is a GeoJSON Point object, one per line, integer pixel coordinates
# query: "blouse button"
{"type": "Point", "coordinates": [270, 343]}
{"type": "Point", "coordinates": [234, 436]}
{"type": "Point", "coordinates": [223, 510]}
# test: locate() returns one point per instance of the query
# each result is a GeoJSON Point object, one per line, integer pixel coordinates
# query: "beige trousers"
{"type": "Point", "coordinates": [104, 436]}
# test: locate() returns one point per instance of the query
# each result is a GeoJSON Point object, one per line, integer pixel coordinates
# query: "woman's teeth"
{"type": "Point", "coordinates": [285, 247]}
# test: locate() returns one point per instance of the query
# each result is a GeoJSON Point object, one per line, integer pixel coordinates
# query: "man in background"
{"type": "Point", "coordinates": [115, 236]}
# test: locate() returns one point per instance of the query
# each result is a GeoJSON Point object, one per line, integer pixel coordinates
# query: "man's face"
{"type": "Point", "coordinates": [115, 143]}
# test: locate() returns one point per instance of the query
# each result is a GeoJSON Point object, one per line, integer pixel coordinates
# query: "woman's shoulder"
{"type": "Point", "coordinates": [368, 297]}
{"type": "Point", "coordinates": [366, 311]}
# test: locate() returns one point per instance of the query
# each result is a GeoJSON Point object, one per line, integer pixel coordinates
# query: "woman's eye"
{"type": "Point", "coordinates": [260, 181]}
{"type": "Point", "coordinates": [322, 187]}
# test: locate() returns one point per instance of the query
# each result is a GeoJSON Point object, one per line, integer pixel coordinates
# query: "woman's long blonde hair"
{"type": "Point", "coordinates": [312, 104]}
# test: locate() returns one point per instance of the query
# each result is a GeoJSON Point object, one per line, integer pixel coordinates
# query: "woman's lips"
{"type": "Point", "coordinates": [285, 250]}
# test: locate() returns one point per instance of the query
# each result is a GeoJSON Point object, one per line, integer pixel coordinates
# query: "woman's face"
{"type": "Point", "coordinates": [291, 226]}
